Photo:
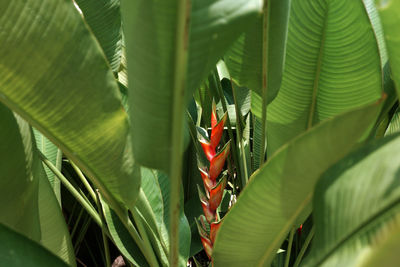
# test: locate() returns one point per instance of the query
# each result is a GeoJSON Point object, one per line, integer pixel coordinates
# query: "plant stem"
{"type": "Point", "coordinates": [85, 204]}
{"type": "Point", "coordinates": [239, 134]}
{"type": "Point", "coordinates": [123, 215]}
{"type": "Point", "coordinates": [84, 180]}
{"type": "Point", "coordinates": [179, 82]}
{"type": "Point", "coordinates": [305, 246]}
{"type": "Point", "coordinates": [103, 230]}
{"type": "Point", "coordinates": [289, 248]}
{"type": "Point", "coordinates": [228, 124]}
{"type": "Point", "coordinates": [264, 80]}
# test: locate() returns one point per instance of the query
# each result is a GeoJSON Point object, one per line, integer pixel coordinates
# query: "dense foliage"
{"type": "Point", "coordinates": [108, 151]}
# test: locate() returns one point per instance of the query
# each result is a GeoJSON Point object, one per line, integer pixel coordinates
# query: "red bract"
{"type": "Point", "coordinates": [218, 162]}
{"type": "Point", "coordinates": [213, 232]}
{"type": "Point", "coordinates": [216, 193]}
{"type": "Point", "coordinates": [208, 149]}
{"type": "Point", "coordinates": [208, 183]}
{"type": "Point", "coordinates": [205, 240]}
{"type": "Point", "coordinates": [208, 212]}
{"type": "Point", "coordinates": [216, 132]}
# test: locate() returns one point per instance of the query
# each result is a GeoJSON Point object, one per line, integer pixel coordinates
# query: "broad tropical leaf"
{"type": "Point", "coordinates": [18, 180]}
{"type": "Point", "coordinates": [389, 12]}
{"type": "Point", "coordinates": [264, 41]}
{"type": "Point", "coordinates": [332, 65]}
{"type": "Point", "coordinates": [62, 85]}
{"type": "Point", "coordinates": [279, 195]}
{"type": "Point", "coordinates": [104, 19]}
{"type": "Point", "coordinates": [152, 46]}
{"type": "Point", "coordinates": [346, 231]}
{"type": "Point", "coordinates": [29, 205]}
{"type": "Point", "coordinates": [54, 231]}
{"type": "Point", "coordinates": [19, 251]}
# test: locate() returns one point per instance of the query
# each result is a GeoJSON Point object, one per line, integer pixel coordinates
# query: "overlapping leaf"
{"type": "Point", "coordinates": [245, 58]}
{"type": "Point", "coordinates": [19, 251]}
{"type": "Point", "coordinates": [54, 74]}
{"type": "Point", "coordinates": [356, 205]}
{"type": "Point", "coordinates": [278, 196]}
{"type": "Point", "coordinates": [152, 45]}
{"type": "Point", "coordinates": [104, 19]}
{"type": "Point", "coordinates": [332, 65]}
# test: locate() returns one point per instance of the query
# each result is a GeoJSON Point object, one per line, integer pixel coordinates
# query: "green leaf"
{"type": "Point", "coordinates": [278, 195]}
{"type": "Point", "coordinates": [19, 180]}
{"type": "Point", "coordinates": [332, 65]}
{"type": "Point", "coordinates": [389, 13]}
{"type": "Point", "coordinates": [104, 19]}
{"type": "Point", "coordinates": [151, 50]}
{"type": "Point", "coordinates": [122, 239]}
{"type": "Point", "coordinates": [54, 231]}
{"type": "Point", "coordinates": [19, 251]}
{"type": "Point", "coordinates": [54, 155]}
{"type": "Point", "coordinates": [356, 202]}
{"type": "Point", "coordinates": [245, 58]}
{"type": "Point", "coordinates": [184, 228]}
{"type": "Point", "coordinates": [62, 85]}
{"type": "Point", "coordinates": [394, 125]}
{"type": "Point", "coordinates": [385, 250]}
{"type": "Point", "coordinates": [28, 203]}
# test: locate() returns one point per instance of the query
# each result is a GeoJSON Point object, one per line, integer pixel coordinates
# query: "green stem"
{"type": "Point", "coordinates": [142, 230]}
{"type": "Point", "coordinates": [264, 80]}
{"type": "Point", "coordinates": [103, 230]}
{"type": "Point", "coordinates": [228, 124]}
{"type": "Point", "coordinates": [179, 83]}
{"type": "Point", "coordinates": [84, 181]}
{"type": "Point", "coordinates": [304, 247]}
{"type": "Point", "coordinates": [239, 134]}
{"type": "Point", "coordinates": [123, 215]}
{"type": "Point", "coordinates": [76, 223]}
{"type": "Point", "coordinates": [289, 248]}
{"type": "Point", "coordinates": [85, 204]}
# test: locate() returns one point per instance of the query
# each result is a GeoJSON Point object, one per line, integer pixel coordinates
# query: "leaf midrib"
{"type": "Point", "coordinates": [370, 221]}
{"type": "Point", "coordinates": [317, 75]}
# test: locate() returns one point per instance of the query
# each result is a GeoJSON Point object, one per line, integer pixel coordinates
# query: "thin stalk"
{"type": "Point", "coordinates": [82, 234]}
{"type": "Point", "coordinates": [305, 246]}
{"type": "Point", "coordinates": [103, 230]}
{"type": "Point", "coordinates": [239, 134]}
{"type": "Point", "coordinates": [264, 80]}
{"type": "Point", "coordinates": [76, 223]}
{"type": "Point", "coordinates": [289, 249]}
{"type": "Point", "coordinates": [124, 217]}
{"type": "Point", "coordinates": [84, 180]}
{"type": "Point", "coordinates": [228, 124]}
{"type": "Point", "coordinates": [142, 230]}
{"type": "Point", "coordinates": [179, 83]}
{"type": "Point", "coordinates": [85, 204]}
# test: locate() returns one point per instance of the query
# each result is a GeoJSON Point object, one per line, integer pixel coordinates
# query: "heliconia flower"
{"type": "Point", "coordinates": [208, 183]}
{"type": "Point", "coordinates": [208, 212]}
{"type": "Point", "coordinates": [214, 229]}
{"type": "Point", "coordinates": [217, 130]}
{"type": "Point", "coordinates": [216, 193]}
{"type": "Point", "coordinates": [205, 240]}
{"type": "Point", "coordinates": [218, 161]}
